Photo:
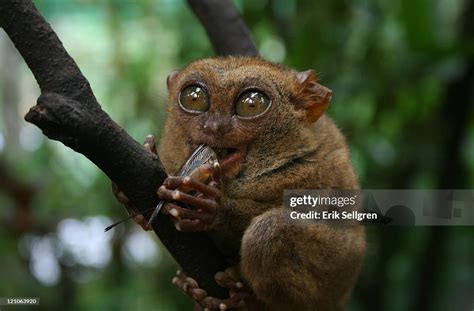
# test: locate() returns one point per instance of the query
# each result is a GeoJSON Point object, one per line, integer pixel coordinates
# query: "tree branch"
{"type": "Point", "coordinates": [224, 27]}
{"type": "Point", "coordinates": [68, 111]}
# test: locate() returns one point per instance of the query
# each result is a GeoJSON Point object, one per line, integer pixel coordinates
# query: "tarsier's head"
{"type": "Point", "coordinates": [231, 103]}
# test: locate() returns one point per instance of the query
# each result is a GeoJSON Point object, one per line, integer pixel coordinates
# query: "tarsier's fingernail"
{"type": "Point", "coordinates": [178, 272]}
{"type": "Point", "coordinates": [174, 212]}
{"type": "Point", "coordinates": [175, 195]}
{"type": "Point", "coordinates": [174, 280]}
{"type": "Point", "coordinates": [178, 226]}
{"type": "Point", "coordinates": [186, 179]}
{"type": "Point", "coordinates": [222, 306]}
{"type": "Point", "coordinates": [239, 285]}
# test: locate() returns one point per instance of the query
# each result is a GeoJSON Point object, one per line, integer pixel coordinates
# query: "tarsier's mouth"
{"type": "Point", "coordinates": [229, 159]}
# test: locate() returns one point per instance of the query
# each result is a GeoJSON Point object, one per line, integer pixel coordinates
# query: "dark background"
{"type": "Point", "coordinates": [402, 75]}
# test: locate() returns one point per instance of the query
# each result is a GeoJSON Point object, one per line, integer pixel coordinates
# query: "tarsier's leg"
{"type": "Point", "coordinates": [300, 266]}
{"type": "Point", "coordinates": [149, 145]}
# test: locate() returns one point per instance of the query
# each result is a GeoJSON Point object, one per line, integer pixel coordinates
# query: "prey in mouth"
{"type": "Point", "coordinates": [229, 158]}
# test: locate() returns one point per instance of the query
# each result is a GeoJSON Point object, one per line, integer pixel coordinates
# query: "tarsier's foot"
{"type": "Point", "coordinates": [227, 279]}
{"type": "Point", "coordinates": [150, 146]}
{"type": "Point", "coordinates": [203, 205]}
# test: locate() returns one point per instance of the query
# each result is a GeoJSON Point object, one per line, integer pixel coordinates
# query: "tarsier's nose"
{"type": "Point", "coordinates": [215, 127]}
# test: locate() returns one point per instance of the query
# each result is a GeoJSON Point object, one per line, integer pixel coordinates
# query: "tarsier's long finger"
{"type": "Point", "coordinates": [165, 194]}
{"type": "Point", "coordinates": [166, 208]}
{"type": "Point", "coordinates": [184, 225]}
{"type": "Point", "coordinates": [178, 213]}
{"type": "Point", "coordinates": [150, 144]}
{"type": "Point", "coordinates": [166, 211]}
{"type": "Point", "coordinates": [179, 182]}
{"type": "Point", "coordinates": [176, 195]}
{"type": "Point", "coordinates": [186, 213]}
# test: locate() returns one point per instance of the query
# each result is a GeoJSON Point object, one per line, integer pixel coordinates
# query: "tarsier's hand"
{"type": "Point", "coordinates": [203, 203]}
{"type": "Point", "coordinates": [149, 145]}
{"type": "Point", "coordinates": [227, 279]}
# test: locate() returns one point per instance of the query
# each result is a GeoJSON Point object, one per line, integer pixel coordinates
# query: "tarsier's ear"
{"type": "Point", "coordinates": [171, 78]}
{"type": "Point", "coordinates": [312, 96]}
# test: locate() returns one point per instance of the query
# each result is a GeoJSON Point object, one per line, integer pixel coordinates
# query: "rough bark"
{"type": "Point", "coordinates": [68, 111]}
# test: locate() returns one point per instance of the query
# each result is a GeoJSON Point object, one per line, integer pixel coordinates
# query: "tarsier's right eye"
{"type": "Point", "coordinates": [194, 98]}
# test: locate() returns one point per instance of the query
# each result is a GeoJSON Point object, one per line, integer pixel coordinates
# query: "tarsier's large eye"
{"type": "Point", "coordinates": [251, 104]}
{"type": "Point", "coordinates": [194, 99]}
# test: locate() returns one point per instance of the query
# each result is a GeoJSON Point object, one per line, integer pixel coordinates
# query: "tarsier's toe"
{"type": "Point", "coordinates": [229, 279]}
{"type": "Point", "coordinates": [235, 301]}
{"type": "Point", "coordinates": [191, 288]}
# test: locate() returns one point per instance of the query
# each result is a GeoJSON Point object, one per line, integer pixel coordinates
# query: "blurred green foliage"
{"type": "Point", "coordinates": [402, 76]}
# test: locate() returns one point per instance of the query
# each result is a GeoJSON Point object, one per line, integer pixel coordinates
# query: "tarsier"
{"type": "Point", "coordinates": [267, 125]}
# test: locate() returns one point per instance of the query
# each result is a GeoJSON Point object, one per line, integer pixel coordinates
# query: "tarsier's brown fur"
{"type": "Point", "coordinates": [294, 146]}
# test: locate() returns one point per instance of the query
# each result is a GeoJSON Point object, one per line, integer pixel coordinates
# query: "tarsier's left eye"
{"type": "Point", "coordinates": [194, 98]}
{"type": "Point", "coordinates": [251, 104]}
